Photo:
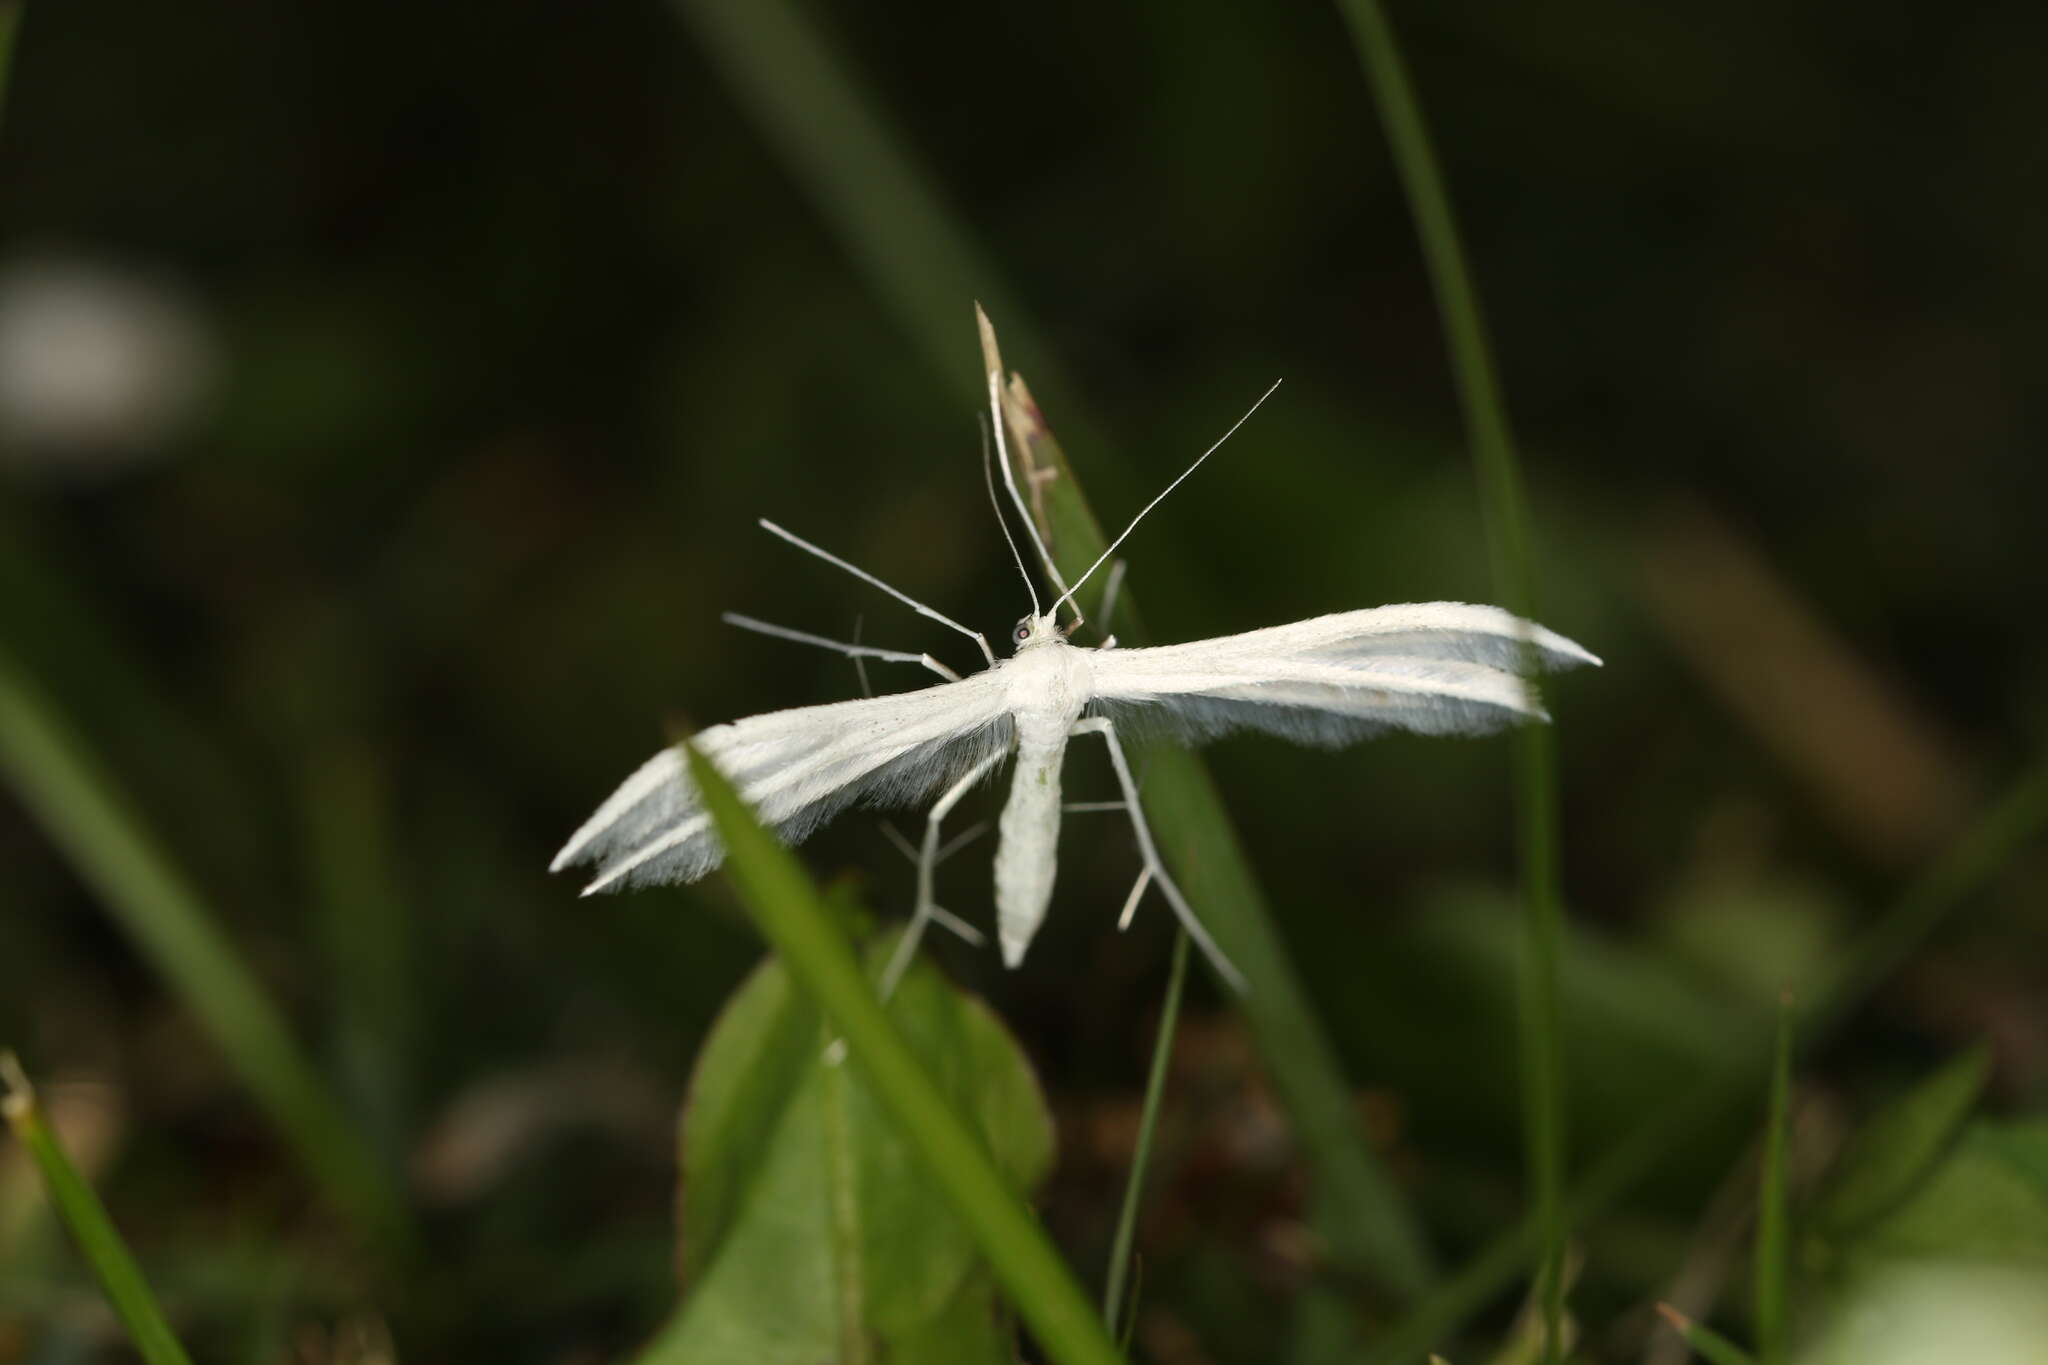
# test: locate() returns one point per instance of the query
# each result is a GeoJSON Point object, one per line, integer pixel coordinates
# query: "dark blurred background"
{"type": "Point", "coordinates": [388, 392]}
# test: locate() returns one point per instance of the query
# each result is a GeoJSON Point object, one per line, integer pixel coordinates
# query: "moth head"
{"type": "Point", "coordinates": [1034, 630]}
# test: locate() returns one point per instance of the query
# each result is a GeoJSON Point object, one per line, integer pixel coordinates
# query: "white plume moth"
{"type": "Point", "coordinates": [1431, 667]}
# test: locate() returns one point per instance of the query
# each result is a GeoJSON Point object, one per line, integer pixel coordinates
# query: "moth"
{"type": "Point", "coordinates": [1432, 667]}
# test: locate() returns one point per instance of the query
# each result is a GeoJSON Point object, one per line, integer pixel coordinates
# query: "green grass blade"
{"type": "Point", "coordinates": [924, 267]}
{"type": "Point", "coordinates": [87, 1218]}
{"type": "Point", "coordinates": [801, 929]}
{"type": "Point", "coordinates": [1148, 1121]}
{"type": "Point", "coordinates": [1493, 449]}
{"type": "Point", "coordinates": [2018, 817]}
{"type": "Point", "coordinates": [365, 934]}
{"type": "Point", "coordinates": [1506, 520]}
{"type": "Point", "coordinates": [1773, 1215]}
{"type": "Point", "coordinates": [85, 814]}
{"type": "Point", "coordinates": [1717, 1349]}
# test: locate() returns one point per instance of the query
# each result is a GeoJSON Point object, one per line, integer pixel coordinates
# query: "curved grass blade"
{"type": "Point", "coordinates": [87, 1218]}
{"type": "Point", "coordinates": [800, 928]}
{"type": "Point", "coordinates": [88, 817]}
{"type": "Point", "coordinates": [1514, 575]}
{"type": "Point", "coordinates": [923, 265]}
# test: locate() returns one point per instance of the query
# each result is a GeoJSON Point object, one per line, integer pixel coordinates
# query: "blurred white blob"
{"type": "Point", "coordinates": [1934, 1313]}
{"type": "Point", "coordinates": [100, 365]}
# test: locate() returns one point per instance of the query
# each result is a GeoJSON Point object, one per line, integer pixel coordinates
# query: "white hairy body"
{"type": "Point", "coordinates": [1048, 684]}
{"type": "Point", "coordinates": [1433, 668]}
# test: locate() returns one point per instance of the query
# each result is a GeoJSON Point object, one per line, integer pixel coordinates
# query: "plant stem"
{"type": "Point", "coordinates": [1148, 1122]}
{"type": "Point", "coordinates": [1773, 1219]}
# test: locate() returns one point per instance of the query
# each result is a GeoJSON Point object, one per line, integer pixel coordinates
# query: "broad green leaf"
{"type": "Point", "coordinates": [1987, 1201]}
{"type": "Point", "coordinates": [807, 1230]}
{"type": "Point", "coordinates": [2025, 1145]}
{"type": "Point", "coordinates": [1893, 1153]}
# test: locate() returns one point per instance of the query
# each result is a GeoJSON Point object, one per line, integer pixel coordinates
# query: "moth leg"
{"type": "Point", "coordinates": [957, 842]}
{"type": "Point", "coordinates": [928, 860]}
{"type": "Point", "coordinates": [1155, 867]}
{"type": "Point", "coordinates": [941, 916]}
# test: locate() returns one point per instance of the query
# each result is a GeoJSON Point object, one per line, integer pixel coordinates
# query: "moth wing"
{"type": "Point", "coordinates": [1430, 667]}
{"type": "Point", "coordinates": [796, 769]}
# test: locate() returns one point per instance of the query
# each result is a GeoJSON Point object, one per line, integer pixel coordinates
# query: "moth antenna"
{"type": "Point", "coordinates": [1162, 495]}
{"type": "Point", "coordinates": [988, 478]}
{"type": "Point", "coordinates": [864, 576]}
{"type": "Point", "coordinates": [995, 407]}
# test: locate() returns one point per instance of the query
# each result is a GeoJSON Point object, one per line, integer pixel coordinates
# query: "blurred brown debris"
{"type": "Point", "coordinates": [1885, 775]}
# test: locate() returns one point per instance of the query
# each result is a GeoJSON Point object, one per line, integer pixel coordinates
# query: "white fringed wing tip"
{"type": "Point", "coordinates": [1429, 667]}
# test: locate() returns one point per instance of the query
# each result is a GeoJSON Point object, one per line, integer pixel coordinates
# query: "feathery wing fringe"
{"type": "Point", "coordinates": [1431, 667]}
{"type": "Point", "coordinates": [797, 769]}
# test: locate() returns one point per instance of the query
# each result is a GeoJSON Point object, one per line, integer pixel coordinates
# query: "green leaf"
{"type": "Point", "coordinates": [1893, 1153]}
{"type": "Point", "coordinates": [2024, 1145]}
{"type": "Point", "coordinates": [1988, 1202]}
{"type": "Point", "coordinates": [805, 1219]}
{"type": "Point", "coordinates": [835, 1210]}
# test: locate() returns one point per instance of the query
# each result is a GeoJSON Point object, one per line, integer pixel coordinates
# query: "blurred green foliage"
{"type": "Point", "coordinates": [519, 323]}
